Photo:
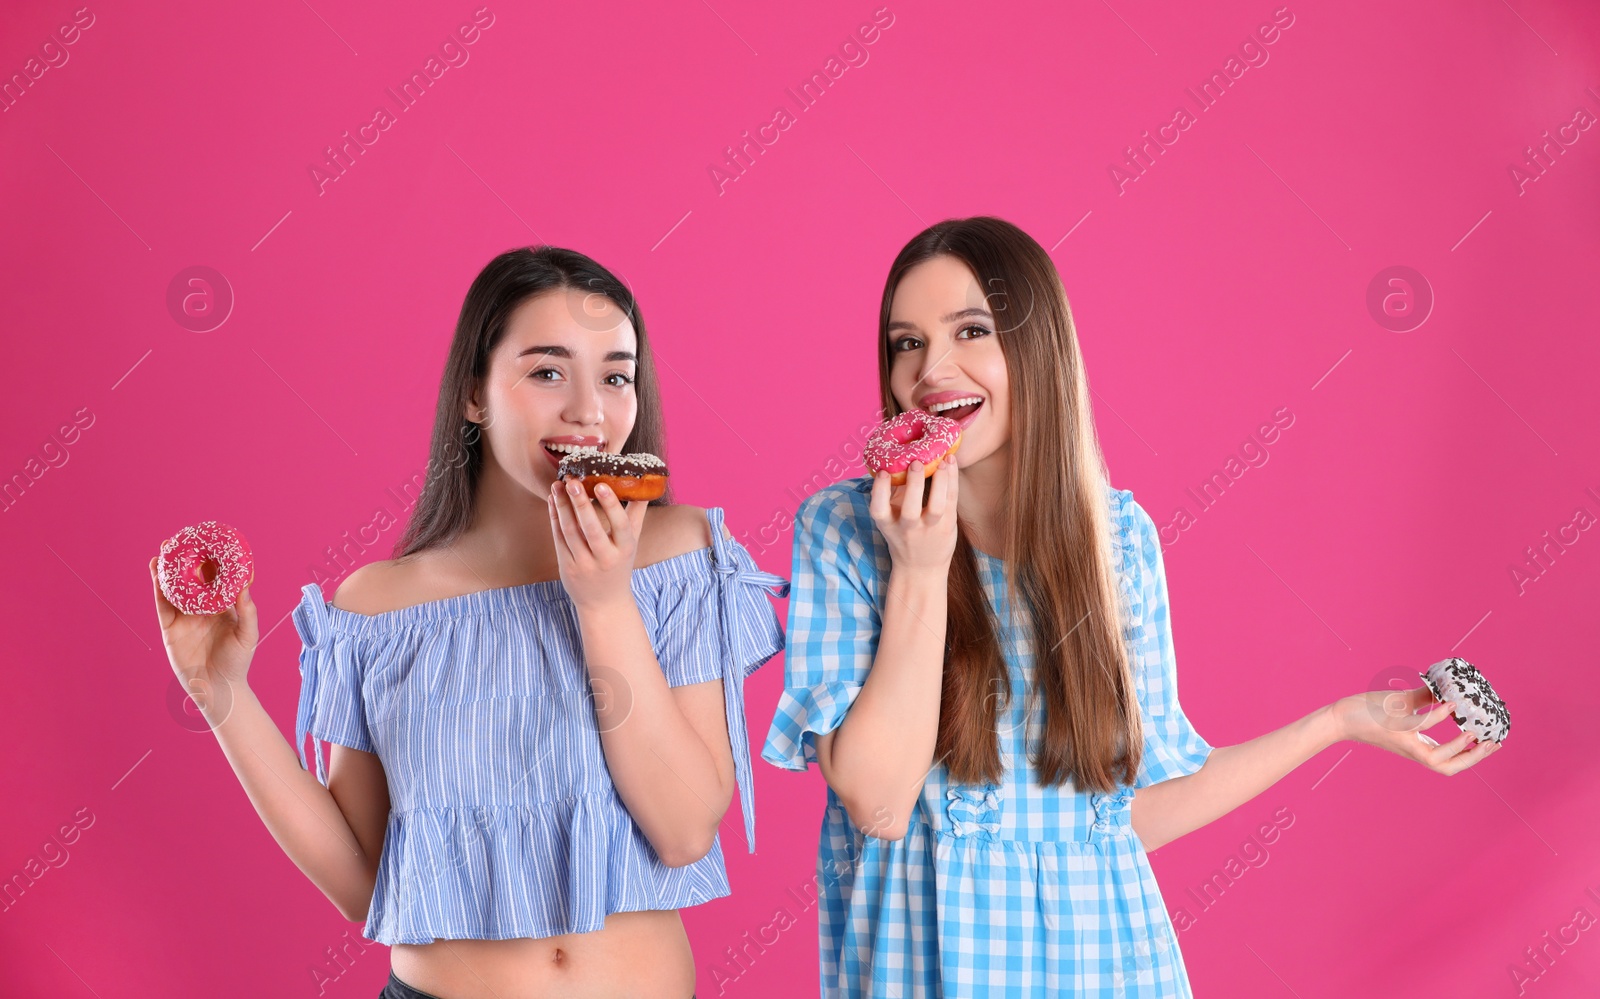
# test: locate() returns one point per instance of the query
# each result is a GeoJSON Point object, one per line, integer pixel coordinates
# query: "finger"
{"type": "Point", "coordinates": [1462, 761]}
{"type": "Point", "coordinates": [563, 549]}
{"type": "Point", "coordinates": [1439, 713]}
{"type": "Point", "coordinates": [165, 612]}
{"type": "Point", "coordinates": [911, 502]}
{"type": "Point", "coordinates": [587, 519]}
{"type": "Point", "coordinates": [248, 627]}
{"type": "Point", "coordinates": [636, 511]}
{"type": "Point", "coordinates": [878, 506]}
{"type": "Point", "coordinates": [618, 518]}
{"type": "Point", "coordinates": [567, 514]}
{"type": "Point", "coordinates": [1419, 697]}
{"type": "Point", "coordinates": [938, 493]}
{"type": "Point", "coordinates": [1441, 753]}
{"type": "Point", "coordinates": [567, 518]}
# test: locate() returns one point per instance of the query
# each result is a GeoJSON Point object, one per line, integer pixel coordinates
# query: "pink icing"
{"type": "Point", "coordinates": [912, 436]}
{"type": "Point", "coordinates": [204, 568]}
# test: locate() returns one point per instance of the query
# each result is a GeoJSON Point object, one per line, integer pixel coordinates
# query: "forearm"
{"type": "Point", "coordinates": [1231, 776]}
{"type": "Point", "coordinates": [661, 767]}
{"type": "Point", "coordinates": [882, 751]}
{"type": "Point", "coordinates": [298, 811]}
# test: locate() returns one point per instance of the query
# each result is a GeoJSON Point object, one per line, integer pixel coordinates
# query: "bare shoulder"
{"type": "Point", "coordinates": [377, 587]}
{"type": "Point", "coordinates": [672, 530]}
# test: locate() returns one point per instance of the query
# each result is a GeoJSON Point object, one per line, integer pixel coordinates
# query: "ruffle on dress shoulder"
{"type": "Point", "coordinates": [331, 706]}
{"type": "Point", "coordinates": [722, 625]}
{"type": "Point", "coordinates": [1172, 746]}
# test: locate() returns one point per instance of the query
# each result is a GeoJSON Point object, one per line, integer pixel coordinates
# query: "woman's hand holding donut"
{"type": "Point", "coordinates": [921, 536]}
{"type": "Point", "coordinates": [210, 653]}
{"type": "Point", "coordinates": [1389, 720]}
{"type": "Point", "coordinates": [595, 549]}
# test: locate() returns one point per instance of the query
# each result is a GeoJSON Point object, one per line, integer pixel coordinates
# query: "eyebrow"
{"type": "Point", "coordinates": [952, 317]}
{"type": "Point", "coordinates": [551, 350]}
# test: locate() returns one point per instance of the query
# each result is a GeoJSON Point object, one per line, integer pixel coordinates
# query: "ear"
{"type": "Point", "coordinates": [473, 413]}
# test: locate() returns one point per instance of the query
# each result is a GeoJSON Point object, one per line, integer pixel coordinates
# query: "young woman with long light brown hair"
{"type": "Point", "coordinates": [981, 664]}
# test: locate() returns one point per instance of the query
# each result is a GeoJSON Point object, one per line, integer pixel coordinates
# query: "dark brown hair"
{"type": "Point", "coordinates": [1061, 564]}
{"type": "Point", "coordinates": [455, 458]}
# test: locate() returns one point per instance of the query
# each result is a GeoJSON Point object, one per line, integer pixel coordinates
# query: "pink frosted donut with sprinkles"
{"type": "Point", "coordinates": [914, 435]}
{"type": "Point", "coordinates": [204, 568]}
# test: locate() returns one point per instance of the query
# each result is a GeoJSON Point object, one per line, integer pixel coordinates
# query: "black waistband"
{"type": "Point", "coordinates": [396, 989]}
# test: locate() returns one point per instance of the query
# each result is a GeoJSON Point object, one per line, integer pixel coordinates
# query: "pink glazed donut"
{"type": "Point", "coordinates": [912, 436]}
{"type": "Point", "coordinates": [204, 568]}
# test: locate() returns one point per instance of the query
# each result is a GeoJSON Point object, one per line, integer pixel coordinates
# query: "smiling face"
{"type": "Point", "coordinates": [945, 357]}
{"type": "Point", "coordinates": [560, 380]}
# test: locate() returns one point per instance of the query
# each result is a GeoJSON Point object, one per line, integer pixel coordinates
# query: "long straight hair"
{"type": "Point", "coordinates": [1058, 553]}
{"type": "Point", "coordinates": [455, 457]}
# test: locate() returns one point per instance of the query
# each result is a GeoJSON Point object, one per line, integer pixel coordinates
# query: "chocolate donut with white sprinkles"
{"type": "Point", "coordinates": [637, 476]}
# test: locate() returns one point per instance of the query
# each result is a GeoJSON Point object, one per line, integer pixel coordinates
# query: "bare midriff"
{"type": "Point", "coordinates": [635, 954]}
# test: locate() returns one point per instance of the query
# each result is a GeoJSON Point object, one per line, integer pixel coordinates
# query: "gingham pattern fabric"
{"type": "Point", "coordinates": [503, 819]}
{"type": "Point", "coordinates": [998, 890]}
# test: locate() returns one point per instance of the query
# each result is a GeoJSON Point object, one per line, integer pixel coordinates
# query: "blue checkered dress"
{"type": "Point", "coordinates": [1009, 889]}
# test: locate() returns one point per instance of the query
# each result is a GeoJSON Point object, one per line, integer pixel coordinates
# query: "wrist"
{"type": "Point", "coordinates": [606, 609]}
{"type": "Point", "coordinates": [920, 578]}
{"type": "Point", "coordinates": [222, 700]}
{"type": "Point", "coordinates": [1329, 724]}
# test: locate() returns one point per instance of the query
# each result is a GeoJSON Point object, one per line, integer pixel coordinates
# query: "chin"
{"type": "Point", "coordinates": [976, 453]}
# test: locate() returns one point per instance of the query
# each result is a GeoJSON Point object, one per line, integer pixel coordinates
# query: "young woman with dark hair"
{"type": "Point", "coordinates": [981, 665]}
{"type": "Point", "coordinates": [536, 709]}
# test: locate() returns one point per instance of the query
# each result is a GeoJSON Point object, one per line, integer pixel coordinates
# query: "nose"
{"type": "Point", "coordinates": [582, 405]}
{"type": "Point", "coordinates": [937, 368]}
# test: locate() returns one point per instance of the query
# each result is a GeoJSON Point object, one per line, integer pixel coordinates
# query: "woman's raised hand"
{"type": "Point", "coordinates": [1388, 719]}
{"type": "Point", "coordinates": [920, 536]}
{"type": "Point", "coordinates": [210, 653]}
{"type": "Point", "coordinates": [595, 556]}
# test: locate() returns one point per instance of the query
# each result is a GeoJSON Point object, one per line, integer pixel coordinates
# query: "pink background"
{"type": "Point", "coordinates": [1228, 282]}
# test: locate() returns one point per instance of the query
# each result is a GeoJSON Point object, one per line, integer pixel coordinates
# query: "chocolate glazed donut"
{"type": "Point", "coordinates": [637, 476]}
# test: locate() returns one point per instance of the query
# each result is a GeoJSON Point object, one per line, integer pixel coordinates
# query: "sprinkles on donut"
{"type": "Point", "coordinates": [637, 476]}
{"type": "Point", "coordinates": [914, 435]}
{"type": "Point", "coordinates": [203, 569]}
{"type": "Point", "coordinates": [1459, 682]}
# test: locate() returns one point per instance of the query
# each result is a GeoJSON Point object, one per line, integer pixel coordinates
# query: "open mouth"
{"type": "Point", "coordinates": [957, 409]}
{"type": "Point", "coordinates": [556, 450]}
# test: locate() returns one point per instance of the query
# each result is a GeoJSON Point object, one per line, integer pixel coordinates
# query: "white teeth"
{"type": "Point", "coordinates": [940, 407]}
{"type": "Point", "coordinates": [571, 448]}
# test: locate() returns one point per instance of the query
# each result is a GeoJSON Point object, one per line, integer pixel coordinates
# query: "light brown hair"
{"type": "Point", "coordinates": [1058, 555]}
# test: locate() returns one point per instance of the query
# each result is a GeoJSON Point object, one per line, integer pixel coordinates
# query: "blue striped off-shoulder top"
{"type": "Point", "coordinates": [503, 819]}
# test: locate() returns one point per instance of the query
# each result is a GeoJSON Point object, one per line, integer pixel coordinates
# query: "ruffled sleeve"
{"type": "Point", "coordinates": [1172, 747]}
{"type": "Point", "coordinates": [834, 623]}
{"type": "Point", "coordinates": [723, 628]}
{"type": "Point", "coordinates": [331, 706]}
